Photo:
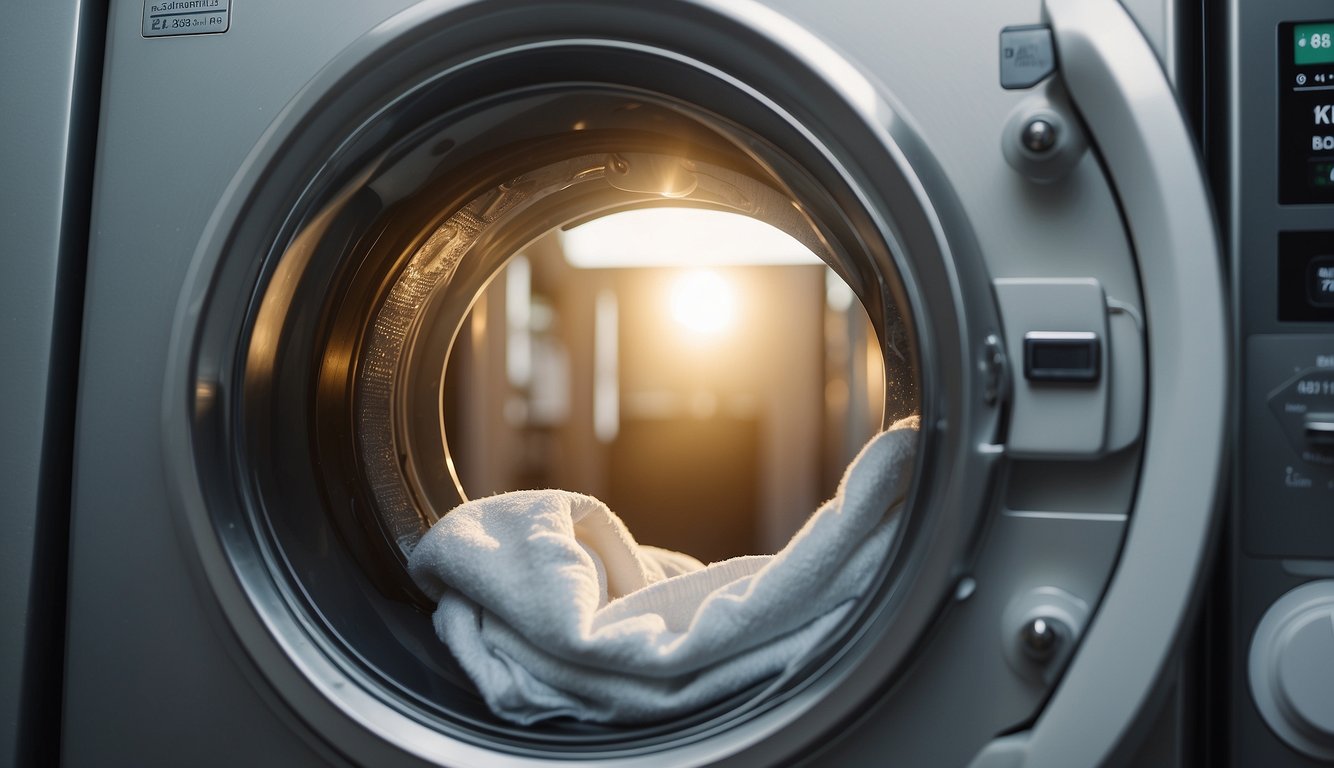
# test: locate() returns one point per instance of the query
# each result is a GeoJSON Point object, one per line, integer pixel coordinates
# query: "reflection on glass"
{"type": "Point", "coordinates": [680, 238]}
{"type": "Point", "coordinates": [712, 406]}
{"type": "Point", "coordinates": [703, 302]}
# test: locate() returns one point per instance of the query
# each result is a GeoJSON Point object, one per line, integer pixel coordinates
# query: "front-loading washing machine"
{"type": "Point", "coordinates": [305, 227]}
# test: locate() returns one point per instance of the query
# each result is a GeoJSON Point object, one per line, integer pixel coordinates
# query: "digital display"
{"type": "Point", "coordinates": [1313, 44]}
{"type": "Point", "coordinates": [1306, 112]}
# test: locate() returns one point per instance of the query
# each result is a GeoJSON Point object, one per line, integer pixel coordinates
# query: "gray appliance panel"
{"type": "Point", "coordinates": [153, 676]}
{"type": "Point", "coordinates": [50, 55]}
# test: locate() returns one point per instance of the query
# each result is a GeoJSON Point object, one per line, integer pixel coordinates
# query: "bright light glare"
{"type": "Point", "coordinates": [703, 302]}
{"type": "Point", "coordinates": [680, 237]}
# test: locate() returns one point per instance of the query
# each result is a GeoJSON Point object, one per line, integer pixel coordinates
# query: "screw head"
{"type": "Point", "coordinates": [1039, 135]}
{"type": "Point", "coordinates": [1039, 638]}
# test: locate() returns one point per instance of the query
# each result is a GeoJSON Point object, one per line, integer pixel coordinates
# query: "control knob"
{"type": "Point", "coordinates": [1292, 668]}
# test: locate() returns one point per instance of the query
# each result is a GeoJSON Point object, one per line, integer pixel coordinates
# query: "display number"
{"type": "Point", "coordinates": [1317, 40]}
{"type": "Point", "coordinates": [177, 23]}
{"type": "Point", "coordinates": [1310, 387]}
{"type": "Point", "coordinates": [1313, 44]}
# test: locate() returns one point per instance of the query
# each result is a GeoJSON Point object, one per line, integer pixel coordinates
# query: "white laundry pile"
{"type": "Point", "coordinates": [554, 610]}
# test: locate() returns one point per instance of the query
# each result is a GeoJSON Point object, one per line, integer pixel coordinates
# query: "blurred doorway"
{"type": "Point", "coordinates": [709, 379]}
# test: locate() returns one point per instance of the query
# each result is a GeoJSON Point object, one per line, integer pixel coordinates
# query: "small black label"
{"type": "Point", "coordinates": [1306, 276]}
{"type": "Point", "coordinates": [170, 18]}
{"type": "Point", "coordinates": [1061, 357]}
{"type": "Point", "coordinates": [1320, 281]}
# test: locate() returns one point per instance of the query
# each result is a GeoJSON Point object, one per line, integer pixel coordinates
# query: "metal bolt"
{"type": "Point", "coordinates": [1038, 135]}
{"type": "Point", "coordinates": [1039, 638]}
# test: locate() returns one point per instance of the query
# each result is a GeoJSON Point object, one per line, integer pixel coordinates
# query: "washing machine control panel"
{"type": "Point", "coordinates": [1280, 220]}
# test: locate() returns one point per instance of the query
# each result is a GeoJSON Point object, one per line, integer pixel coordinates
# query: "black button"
{"type": "Point", "coordinates": [1320, 281]}
{"type": "Point", "coordinates": [1305, 264]}
{"type": "Point", "coordinates": [1062, 356]}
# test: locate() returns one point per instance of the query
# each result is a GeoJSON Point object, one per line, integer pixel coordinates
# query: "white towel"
{"type": "Point", "coordinates": [554, 610]}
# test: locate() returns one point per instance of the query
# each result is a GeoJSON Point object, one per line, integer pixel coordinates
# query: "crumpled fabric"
{"type": "Point", "coordinates": [554, 610]}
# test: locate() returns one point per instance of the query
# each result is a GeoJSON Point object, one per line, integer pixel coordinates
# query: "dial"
{"type": "Point", "coordinates": [1292, 668]}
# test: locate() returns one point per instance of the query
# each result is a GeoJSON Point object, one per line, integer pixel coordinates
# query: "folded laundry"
{"type": "Point", "coordinates": [554, 610]}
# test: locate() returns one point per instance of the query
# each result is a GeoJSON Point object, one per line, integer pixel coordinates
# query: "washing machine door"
{"type": "Point", "coordinates": [304, 435]}
{"type": "Point", "coordinates": [1134, 120]}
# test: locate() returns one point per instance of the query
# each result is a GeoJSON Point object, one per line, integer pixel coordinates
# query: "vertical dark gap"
{"type": "Point", "coordinates": [1192, 74]}
{"type": "Point", "coordinates": [1198, 707]}
{"type": "Point", "coordinates": [1205, 31]}
{"type": "Point", "coordinates": [40, 710]}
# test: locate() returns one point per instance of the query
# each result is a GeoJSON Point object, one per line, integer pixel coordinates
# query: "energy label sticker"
{"type": "Point", "coordinates": [163, 18]}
